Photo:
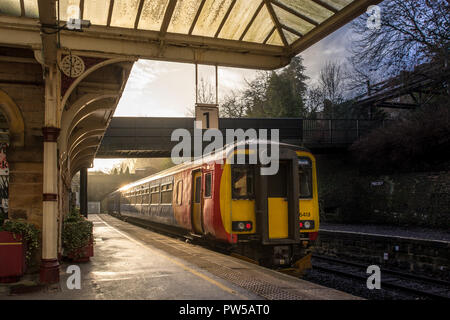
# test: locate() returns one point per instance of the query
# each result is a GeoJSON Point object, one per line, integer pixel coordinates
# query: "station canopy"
{"type": "Point", "coordinates": [268, 32]}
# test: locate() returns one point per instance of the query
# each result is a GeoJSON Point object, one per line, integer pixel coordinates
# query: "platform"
{"type": "Point", "coordinates": [414, 233]}
{"type": "Point", "coordinates": [134, 263]}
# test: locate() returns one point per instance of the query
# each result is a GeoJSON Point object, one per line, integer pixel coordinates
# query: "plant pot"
{"type": "Point", "coordinates": [82, 254]}
{"type": "Point", "coordinates": [12, 257]}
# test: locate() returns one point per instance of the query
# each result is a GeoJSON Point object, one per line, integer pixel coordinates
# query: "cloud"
{"type": "Point", "coordinates": [332, 48]}
{"type": "Point", "coordinates": [167, 89]}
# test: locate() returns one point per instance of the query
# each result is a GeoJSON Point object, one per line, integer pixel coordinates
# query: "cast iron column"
{"type": "Point", "coordinates": [49, 271]}
{"type": "Point", "coordinates": [83, 192]}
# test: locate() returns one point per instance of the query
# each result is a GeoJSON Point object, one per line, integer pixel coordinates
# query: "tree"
{"type": "Point", "coordinates": [314, 101]}
{"type": "Point", "coordinates": [331, 82]}
{"type": "Point", "coordinates": [254, 96]}
{"type": "Point", "coordinates": [278, 94]}
{"type": "Point", "coordinates": [328, 95]}
{"type": "Point", "coordinates": [411, 32]}
{"type": "Point", "coordinates": [205, 94]}
{"type": "Point", "coordinates": [233, 106]}
{"type": "Point", "coordinates": [282, 99]}
{"type": "Point", "coordinates": [420, 141]}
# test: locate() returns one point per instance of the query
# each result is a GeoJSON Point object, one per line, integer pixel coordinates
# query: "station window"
{"type": "Point", "coordinates": [305, 178]}
{"type": "Point", "coordinates": [179, 199]}
{"type": "Point", "coordinates": [166, 193]}
{"type": "Point", "coordinates": [242, 182]}
{"type": "Point", "coordinates": [208, 185]}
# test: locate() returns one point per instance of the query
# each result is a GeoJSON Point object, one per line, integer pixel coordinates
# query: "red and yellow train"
{"type": "Point", "coordinates": [270, 219]}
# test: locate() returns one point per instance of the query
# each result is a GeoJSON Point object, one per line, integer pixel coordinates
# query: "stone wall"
{"type": "Point", "coordinates": [23, 83]}
{"type": "Point", "coordinates": [404, 199]}
{"type": "Point", "coordinates": [425, 257]}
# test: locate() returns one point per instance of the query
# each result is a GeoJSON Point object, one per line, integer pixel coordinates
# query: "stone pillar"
{"type": "Point", "coordinates": [83, 192]}
{"type": "Point", "coordinates": [49, 272]}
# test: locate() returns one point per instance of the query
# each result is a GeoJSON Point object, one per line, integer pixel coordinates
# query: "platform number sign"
{"type": "Point", "coordinates": [374, 280]}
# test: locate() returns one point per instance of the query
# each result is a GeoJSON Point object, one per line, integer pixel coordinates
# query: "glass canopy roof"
{"type": "Point", "coordinates": [270, 22]}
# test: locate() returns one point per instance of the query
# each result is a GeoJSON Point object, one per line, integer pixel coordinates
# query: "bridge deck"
{"type": "Point", "coordinates": [151, 137]}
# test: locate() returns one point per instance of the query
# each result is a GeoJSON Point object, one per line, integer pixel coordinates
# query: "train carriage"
{"type": "Point", "coordinates": [269, 218]}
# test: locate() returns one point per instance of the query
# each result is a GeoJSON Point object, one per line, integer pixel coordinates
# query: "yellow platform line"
{"type": "Point", "coordinates": [185, 267]}
{"type": "Point", "coordinates": [10, 243]}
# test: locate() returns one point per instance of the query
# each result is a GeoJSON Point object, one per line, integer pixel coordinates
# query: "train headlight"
{"type": "Point", "coordinates": [242, 226]}
{"type": "Point", "coordinates": [307, 225]}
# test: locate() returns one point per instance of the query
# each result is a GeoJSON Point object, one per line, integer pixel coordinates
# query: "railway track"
{"type": "Point", "coordinates": [393, 280]}
{"type": "Point", "coordinates": [390, 279]}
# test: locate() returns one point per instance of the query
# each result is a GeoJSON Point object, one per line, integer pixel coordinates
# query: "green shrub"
{"type": "Point", "coordinates": [3, 216]}
{"type": "Point", "coordinates": [76, 233]}
{"type": "Point", "coordinates": [28, 231]}
{"type": "Point", "coordinates": [419, 142]}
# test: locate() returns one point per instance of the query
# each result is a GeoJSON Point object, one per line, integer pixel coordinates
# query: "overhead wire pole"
{"type": "Point", "coordinates": [196, 83]}
{"type": "Point", "coordinates": [217, 85]}
{"type": "Point", "coordinates": [83, 192]}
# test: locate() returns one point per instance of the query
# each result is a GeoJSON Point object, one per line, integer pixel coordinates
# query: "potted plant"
{"type": "Point", "coordinates": [18, 241]}
{"type": "Point", "coordinates": [77, 237]}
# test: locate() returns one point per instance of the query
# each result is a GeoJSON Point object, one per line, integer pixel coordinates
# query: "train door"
{"type": "Point", "coordinates": [197, 202]}
{"type": "Point", "coordinates": [278, 204]}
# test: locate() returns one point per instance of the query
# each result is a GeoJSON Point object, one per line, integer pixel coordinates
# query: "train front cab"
{"type": "Point", "coordinates": [273, 217]}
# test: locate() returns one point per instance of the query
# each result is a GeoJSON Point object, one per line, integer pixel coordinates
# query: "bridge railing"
{"type": "Point", "coordinates": [332, 131]}
{"type": "Point", "coordinates": [141, 137]}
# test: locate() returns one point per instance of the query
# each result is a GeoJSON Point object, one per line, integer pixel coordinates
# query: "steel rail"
{"type": "Point", "coordinates": [395, 276]}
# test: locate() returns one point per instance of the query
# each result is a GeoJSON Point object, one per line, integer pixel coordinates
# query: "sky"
{"type": "Point", "coordinates": [167, 89]}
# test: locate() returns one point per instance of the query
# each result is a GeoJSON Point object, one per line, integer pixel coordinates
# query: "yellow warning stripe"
{"type": "Point", "coordinates": [10, 243]}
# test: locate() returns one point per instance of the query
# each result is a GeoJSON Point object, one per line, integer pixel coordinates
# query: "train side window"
{"type": "Point", "coordinates": [208, 185]}
{"type": "Point", "coordinates": [145, 198]}
{"type": "Point", "coordinates": [305, 178]}
{"type": "Point", "coordinates": [166, 194]}
{"type": "Point", "coordinates": [154, 195]}
{"type": "Point", "coordinates": [179, 195]}
{"type": "Point", "coordinates": [242, 182]}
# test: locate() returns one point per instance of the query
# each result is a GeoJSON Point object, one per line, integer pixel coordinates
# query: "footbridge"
{"type": "Point", "coordinates": [128, 137]}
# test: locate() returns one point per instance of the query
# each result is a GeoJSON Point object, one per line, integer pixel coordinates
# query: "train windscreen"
{"type": "Point", "coordinates": [305, 178]}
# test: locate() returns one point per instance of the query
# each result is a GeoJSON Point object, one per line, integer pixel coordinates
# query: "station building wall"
{"type": "Point", "coordinates": [22, 89]}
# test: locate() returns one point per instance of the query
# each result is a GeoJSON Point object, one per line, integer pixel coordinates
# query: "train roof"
{"type": "Point", "coordinates": [212, 157]}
